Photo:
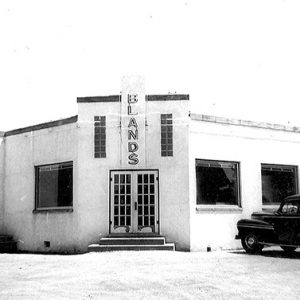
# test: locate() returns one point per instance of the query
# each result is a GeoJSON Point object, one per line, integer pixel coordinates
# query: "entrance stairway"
{"type": "Point", "coordinates": [131, 243]}
{"type": "Point", "coordinates": [7, 244]}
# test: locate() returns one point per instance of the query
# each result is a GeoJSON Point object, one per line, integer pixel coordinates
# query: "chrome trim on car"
{"type": "Point", "coordinates": [255, 226]}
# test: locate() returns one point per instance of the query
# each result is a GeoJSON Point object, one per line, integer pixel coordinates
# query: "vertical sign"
{"type": "Point", "coordinates": [133, 122]}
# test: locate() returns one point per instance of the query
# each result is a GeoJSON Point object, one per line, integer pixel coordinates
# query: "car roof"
{"type": "Point", "coordinates": [293, 197]}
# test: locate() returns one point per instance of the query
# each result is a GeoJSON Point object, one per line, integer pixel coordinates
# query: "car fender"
{"type": "Point", "coordinates": [261, 228]}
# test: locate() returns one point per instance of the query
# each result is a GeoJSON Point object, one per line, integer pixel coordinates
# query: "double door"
{"type": "Point", "coordinates": [134, 201]}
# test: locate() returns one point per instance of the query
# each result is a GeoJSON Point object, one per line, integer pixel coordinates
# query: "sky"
{"type": "Point", "coordinates": [236, 58]}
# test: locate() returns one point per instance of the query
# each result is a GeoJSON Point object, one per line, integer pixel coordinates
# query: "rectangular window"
{"type": "Point", "coordinates": [54, 185]}
{"type": "Point", "coordinates": [166, 135]}
{"type": "Point", "coordinates": [278, 182]}
{"type": "Point", "coordinates": [217, 182]}
{"type": "Point", "coordinates": [100, 136]}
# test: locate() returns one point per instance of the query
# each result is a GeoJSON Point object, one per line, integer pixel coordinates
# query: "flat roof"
{"type": "Point", "coordinates": [42, 126]}
{"type": "Point", "coordinates": [193, 116]}
{"type": "Point", "coordinates": [239, 122]}
{"type": "Point", "coordinates": [117, 98]}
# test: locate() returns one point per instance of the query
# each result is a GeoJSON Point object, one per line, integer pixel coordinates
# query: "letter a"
{"type": "Point", "coordinates": [132, 123]}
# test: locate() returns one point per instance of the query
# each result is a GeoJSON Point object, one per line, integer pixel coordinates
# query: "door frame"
{"type": "Point", "coordinates": [110, 200]}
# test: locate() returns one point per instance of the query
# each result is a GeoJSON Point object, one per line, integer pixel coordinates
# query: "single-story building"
{"type": "Point", "coordinates": [141, 164]}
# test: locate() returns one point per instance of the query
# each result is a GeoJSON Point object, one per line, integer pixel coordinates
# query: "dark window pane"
{"type": "Point", "coordinates": [140, 189]}
{"type": "Point", "coordinates": [116, 221]}
{"type": "Point", "coordinates": [128, 189]}
{"type": "Point", "coordinates": [122, 199]}
{"type": "Point", "coordinates": [146, 210]}
{"type": "Point", "coordinates": [152, 221]}
{"type": "Point", "coordinates": [140, 200]}
{"type": "Point", "coordinates": [122, 210]}
{"type": "Point", "coordinates": [140, 178]}
{"type": "Point", "coordinates": [146, 221]}
{"type": "Point", "coordinates": [278, 182]}
{"type": "Point", "coordinates": [145, 199]}
{"type": "Point", "coordinates": [217, 185]}
{"type": "Point", "coordinates": [128, 213]}
{"type": "Point", "coordinates": [151, 210]}
{"type": "Point", "coordinates": [151, 199]}
{"type": "Point", "coordinates": [122, 221]}
{"type": "Point", "coordinates": [127, 199]}
{"type": "Point", "coordinates": [140, 221]}
{"type": "Point", "coordinates": [122, 189]}
{"type": "Point", "coordinates": [145, 189]}
{"type": "Point", "coordinates": [151, 188]}
{"type": "Point", "coordinates": [116, 201]}
{"type": "Point", "coordinates": [128, 178]}
{"type": "Point", "coordinates": [116, 189]}
{"type": "Point", "coordinates": [55, 185]}
{"type": "Point", "coordinates": [145, 178]}
{"type": "Point", "coordinates": [128, 221]}
{"type": "Point", "coordinates": [116, 210]}
{"type": "Point", "coordinates": [151, 178]}
{"type": "Point", "coordinates": [140, 210]}
{"type": "Point", "coordinates": [116, 178]}
{"type": "Point", "coordinates": [122, 178]}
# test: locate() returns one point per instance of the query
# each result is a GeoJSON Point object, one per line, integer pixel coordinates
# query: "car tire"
{"type": "Point", "coordinates": [250, 244]}
{"type": "Point", "coordinates": [288, 249]}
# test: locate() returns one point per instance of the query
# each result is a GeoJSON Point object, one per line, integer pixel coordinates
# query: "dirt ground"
{"type": "Point", "coordinates": [149, 275]}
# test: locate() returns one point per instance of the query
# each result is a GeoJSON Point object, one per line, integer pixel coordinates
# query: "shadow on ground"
{"type": "Point", "coordinates": [272, 253]}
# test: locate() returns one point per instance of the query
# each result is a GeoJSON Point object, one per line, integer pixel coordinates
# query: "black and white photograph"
{"type": "Point", "coordinates": [149, 149]}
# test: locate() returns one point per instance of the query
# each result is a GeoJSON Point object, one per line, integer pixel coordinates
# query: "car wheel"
{"type": "Point", "coordinates": [288, 249]}
{"type": "Point", "coordinates": [250, 244]}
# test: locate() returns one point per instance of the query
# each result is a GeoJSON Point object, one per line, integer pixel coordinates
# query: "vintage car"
{"type": "Point", "coordinates": [280, 228]}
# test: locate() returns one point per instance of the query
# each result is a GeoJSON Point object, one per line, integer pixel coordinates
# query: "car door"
{"type": "Point", "coordinates": [286, 223]}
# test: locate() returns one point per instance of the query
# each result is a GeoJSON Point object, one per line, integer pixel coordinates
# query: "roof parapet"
{"type": "Point", "coordinates": [117, 98]}
{"type": "Point", "coordinates": [42, 126]}
{"type": "Point", "coordinates": [247, 123]}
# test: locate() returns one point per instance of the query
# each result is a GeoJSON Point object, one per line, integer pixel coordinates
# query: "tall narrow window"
{"type": "Point", "coordinates": [100, 136]}
{"type": "Point", "coordinates": [217, 182]}
{"type": "Point", "coordinates": [54, 186]}
{"type": "Point", "coordinates": [278, 182]}
{"type": "Point", "coordinates": [166, 135]}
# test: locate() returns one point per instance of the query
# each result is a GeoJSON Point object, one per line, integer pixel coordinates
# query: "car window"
{"type": "Point", "coordinates": [290, 208]}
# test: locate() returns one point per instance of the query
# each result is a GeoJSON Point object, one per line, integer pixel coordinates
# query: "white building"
{"type": "Point", "coordinates": [140, 164]}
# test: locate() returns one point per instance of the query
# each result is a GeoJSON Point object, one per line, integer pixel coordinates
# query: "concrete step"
{"type": "Point", "coordinates": [158, 240]}
{"type": "Point", "coordinates": [8, 246]}
{"type": "Point", "coordinates": [103, 248]}
{"type": "Point", "coordinates": [132, 235]}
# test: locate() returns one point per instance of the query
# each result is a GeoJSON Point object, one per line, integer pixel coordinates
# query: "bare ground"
{"type": "Point", "coordinates": [149, 275]}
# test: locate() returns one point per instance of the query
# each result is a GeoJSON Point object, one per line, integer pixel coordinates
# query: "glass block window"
{"type": "Point", "coordinates": [217, 182]}
{"type": "Point", "coordinates": [54, 185]}
{"type": "Point", "coordinates": [100, 136]}
{"type": "Point", "coordinates": [166, 135]}
{"type": "Point", "coordinates": [278, 182]}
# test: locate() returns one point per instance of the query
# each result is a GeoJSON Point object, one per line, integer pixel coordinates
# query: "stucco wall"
{"type": "Point", "coordinates": [23, 152]}
{"type": "Point", "coordinates": [93, 180]}
{"type": "Point", "coordinates": [1, 183]}
{"type": "Point", "coordinates": [216, 227]}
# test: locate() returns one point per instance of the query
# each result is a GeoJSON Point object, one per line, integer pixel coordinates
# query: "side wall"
{"type": "Point", "coordinates": [216, 226]}
{"type": "Point", "coordinates": [23, 152]}
{"type": "Point", "coordinates": [1, 183]}
{"type": "Point", "coordinates": [93, 173]}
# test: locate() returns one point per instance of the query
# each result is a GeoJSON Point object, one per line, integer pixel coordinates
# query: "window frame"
{"type": "Point", "coordinates": [221, 207]}
{"type": "Point", "coordinates": [274, 205]}
{"type": "Point", "coordinates": [37, 181]}
{"type": "Point", "coordinates": [100, 137]}
{"type": "Point", "coordinates": [166, 130]}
